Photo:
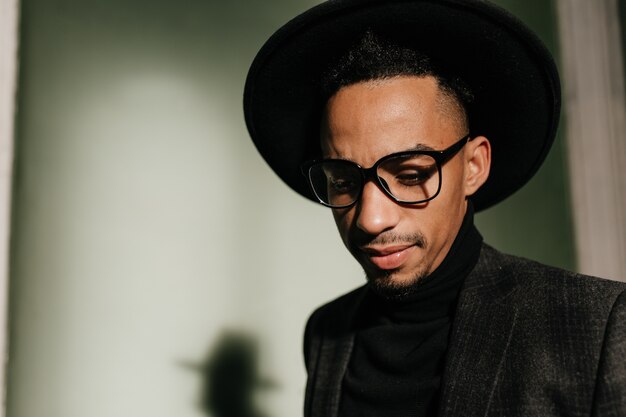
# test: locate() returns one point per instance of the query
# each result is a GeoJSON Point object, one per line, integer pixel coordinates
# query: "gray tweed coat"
{"type": "Point", "coordinates": [527, 340]}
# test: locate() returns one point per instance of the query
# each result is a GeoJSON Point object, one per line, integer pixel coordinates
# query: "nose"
{"type": "Point", "coordinates": [376, 212]}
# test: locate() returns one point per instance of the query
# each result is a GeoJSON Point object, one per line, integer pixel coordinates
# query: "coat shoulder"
{"type": "Point", "coordinates": [557, 338]}
{"type": "Point", "coordinates": [538, 283]}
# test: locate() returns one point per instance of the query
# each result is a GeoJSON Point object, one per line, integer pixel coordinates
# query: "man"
{"type": "Point", "coordinates": [406, 116]}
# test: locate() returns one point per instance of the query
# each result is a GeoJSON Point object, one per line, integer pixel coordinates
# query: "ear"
{"type": "Point", "coordinates": [478, 163]}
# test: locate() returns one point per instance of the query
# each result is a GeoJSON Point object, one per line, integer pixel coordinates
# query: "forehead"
{"type": "Point", "coordinates": [368, 120]}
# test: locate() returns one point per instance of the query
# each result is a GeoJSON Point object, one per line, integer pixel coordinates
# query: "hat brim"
{"type": "Point", "coordinates": [512, 75]}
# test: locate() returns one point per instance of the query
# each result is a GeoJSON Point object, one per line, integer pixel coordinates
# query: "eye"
{"type": "Point", "coordinates": [341, 185]}
{"type": "Point", "coordinates": [410, 170]}
{"type": "Point", "coordinates": [414, 177]}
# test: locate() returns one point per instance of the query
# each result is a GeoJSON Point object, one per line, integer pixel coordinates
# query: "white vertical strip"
{"type": "Point", "coordinates": [8, 87]}
{"type": "Point", "coordinates": [595, 108]}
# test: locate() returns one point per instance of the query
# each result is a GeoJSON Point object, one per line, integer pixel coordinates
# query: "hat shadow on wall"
{"type": "Point", "coordinates": [230, 377]}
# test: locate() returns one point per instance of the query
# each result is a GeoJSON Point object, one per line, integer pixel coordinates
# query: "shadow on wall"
{"type": "Point", "coordinates": [230, 377]}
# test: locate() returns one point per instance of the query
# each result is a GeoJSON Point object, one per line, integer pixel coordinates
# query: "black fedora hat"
{"type": "Point", "coordinates": [512, 75]}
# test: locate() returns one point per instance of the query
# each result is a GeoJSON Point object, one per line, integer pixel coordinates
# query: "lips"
{"type": "Point", "coordinates": [389, 257]}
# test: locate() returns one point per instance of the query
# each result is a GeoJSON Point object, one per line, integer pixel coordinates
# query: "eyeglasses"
{"type": "Point", "coordinates": [408, 177]}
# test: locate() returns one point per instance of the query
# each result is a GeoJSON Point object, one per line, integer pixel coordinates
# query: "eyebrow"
{"type": "Point", "coordinates": [420, 147]}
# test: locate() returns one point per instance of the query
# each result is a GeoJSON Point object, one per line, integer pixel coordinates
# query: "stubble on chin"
{"type": "Point", "coordinates": [387, 285]}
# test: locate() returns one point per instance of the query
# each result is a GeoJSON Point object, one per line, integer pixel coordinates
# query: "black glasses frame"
{"type": "Point", "coordinates": [367, 174]}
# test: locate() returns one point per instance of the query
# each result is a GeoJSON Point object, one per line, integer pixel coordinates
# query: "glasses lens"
{"type": "Point", "coordinates": [410, 178]}
{"type": "Point", "coordinates": [336, 183]}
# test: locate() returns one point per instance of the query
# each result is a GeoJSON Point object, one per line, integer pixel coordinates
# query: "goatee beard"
{"type": "Point", "coordinates": [383, 282]}
{"type": "Point", "coordinates": [384, 286]}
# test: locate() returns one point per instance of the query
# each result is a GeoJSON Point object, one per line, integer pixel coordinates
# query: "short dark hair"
{"type": "Point", "coordinates": [373, 58]}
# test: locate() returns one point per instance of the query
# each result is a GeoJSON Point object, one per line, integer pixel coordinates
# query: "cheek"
{"type": "Point", "coordinates": [443, 215]}
{"type": "Point", "coordinates": [451, 197]}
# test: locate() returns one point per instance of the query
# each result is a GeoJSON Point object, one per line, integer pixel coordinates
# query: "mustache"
{"type": "Point", "coordinates": [390, 238]}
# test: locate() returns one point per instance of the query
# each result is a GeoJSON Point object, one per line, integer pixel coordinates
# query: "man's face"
{"type": "Point", "coordinates": [397, 244]}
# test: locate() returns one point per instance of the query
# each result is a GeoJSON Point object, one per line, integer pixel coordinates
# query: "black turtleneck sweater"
{"type": "Point", "coordinates": [398, 356]}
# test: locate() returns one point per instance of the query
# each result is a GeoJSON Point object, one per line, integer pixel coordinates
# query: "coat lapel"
{"type": "Point", "coordinates": [334, 358]}
{"type": "Point", "coordinates": [480, 337]}
{"type": "Point", "coordinates": [335, 352]}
